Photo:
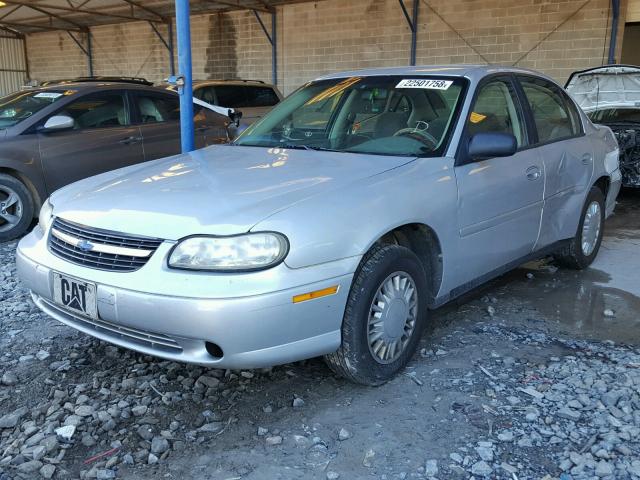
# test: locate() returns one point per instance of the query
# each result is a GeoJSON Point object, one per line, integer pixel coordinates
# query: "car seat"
{"type": "Point", "coordinates": [149, 112]}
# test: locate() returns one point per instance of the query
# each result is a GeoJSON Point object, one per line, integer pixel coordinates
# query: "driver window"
{"type": "Point", "coordinates": [495, 110]}
{"type": "Point", "coordinates": [97, 111]}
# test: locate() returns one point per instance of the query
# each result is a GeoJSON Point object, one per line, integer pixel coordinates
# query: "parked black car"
{"type": "Point", "coordinates": [68, 130]}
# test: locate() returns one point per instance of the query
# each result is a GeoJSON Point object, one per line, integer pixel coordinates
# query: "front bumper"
{"type": "Point", "coordinates": [173, 314]}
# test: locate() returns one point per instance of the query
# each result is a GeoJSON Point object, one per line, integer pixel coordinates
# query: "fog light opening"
{"type": "Point", "coordinates": [213, 349]}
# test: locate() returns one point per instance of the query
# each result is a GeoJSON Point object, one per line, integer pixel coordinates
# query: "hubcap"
{"type": "Point", "coordinates": [392, 317]}
{"type": "Point", "coordinates": [591, 228]}
{"type": "Point", "coordinates": [10, 208]}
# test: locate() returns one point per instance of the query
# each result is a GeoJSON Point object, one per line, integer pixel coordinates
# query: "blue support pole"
{"type": "Point", "coordinates": [615, 7]}
{"type": "Point", "coordinates": [183, 29]}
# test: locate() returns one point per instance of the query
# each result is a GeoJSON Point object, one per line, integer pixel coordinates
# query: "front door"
{"type": "Point", "coordinates": [102, 139]}
{"type": "Point", "coordinates": [499, 199]}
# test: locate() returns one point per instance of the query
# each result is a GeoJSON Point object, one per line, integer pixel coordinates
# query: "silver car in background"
{"type": "Point", "coordinates": [332, 225]}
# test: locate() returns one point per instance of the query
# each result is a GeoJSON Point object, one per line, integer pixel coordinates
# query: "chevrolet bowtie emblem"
{"type": "Point", "coordinates": [85, 245]}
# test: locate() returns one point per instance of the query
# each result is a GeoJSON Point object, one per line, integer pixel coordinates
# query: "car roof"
{"type": "Point", "coordinates": [250, 83]}
{"type": "Point", "coordinates": [474, 72]}
{"type": "Point", "coordinates": [97, 86]}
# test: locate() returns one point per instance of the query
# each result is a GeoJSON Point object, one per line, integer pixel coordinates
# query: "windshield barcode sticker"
{"type": "Point", "coordinates": [425, 83]}
{"type": "Point", "coordinates": [47, 95]}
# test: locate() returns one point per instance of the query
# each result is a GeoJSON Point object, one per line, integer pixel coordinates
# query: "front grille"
{"type": "Point", "coordinates": [157, 341]}
{"type": "Point", "coordinates": [100, 249]}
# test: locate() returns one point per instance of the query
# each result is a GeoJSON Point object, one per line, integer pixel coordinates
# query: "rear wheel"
{"type": "Point", "coordinates": [384, 318]}
{"type": "Point", "coordinates": [584, 247]}
{"type": "Point", "coordinates": [16, 208]}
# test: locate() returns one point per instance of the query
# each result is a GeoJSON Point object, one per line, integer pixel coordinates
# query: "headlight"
{"type": "Point", "coordinates": [252, 251]}
{"type": "Point", "coordinates": [45, 216]}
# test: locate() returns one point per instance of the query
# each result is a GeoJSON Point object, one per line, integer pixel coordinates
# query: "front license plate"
{"type": "Point", "coordinates": [75, 295]}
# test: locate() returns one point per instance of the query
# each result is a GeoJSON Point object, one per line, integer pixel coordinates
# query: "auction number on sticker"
{"type": "Point", "coordinates": [424, 83]}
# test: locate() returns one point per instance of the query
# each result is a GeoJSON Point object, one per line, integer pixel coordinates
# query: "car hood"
{"type": "Point", "coordinates": [220, 190]}
{"type": "Point", "coordinates": [606, 87]}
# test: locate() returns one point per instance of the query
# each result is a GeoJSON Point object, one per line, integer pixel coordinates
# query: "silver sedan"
{"type": "Point", "coordinates": [333, 225]}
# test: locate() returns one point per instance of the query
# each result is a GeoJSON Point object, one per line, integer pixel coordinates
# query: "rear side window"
{"type": "Point", "coordinates": [261, 97]}
{"type": "Point", "coordinates": [554, 115]}
{"type": "Point", "coordinates": [231, 96]}
{"type": "Point", "coordinates": [156, 108]}
{"type": "Point", "coordinates": [239, 96]}
{"type": "Point", "coordinates": [97, 111]}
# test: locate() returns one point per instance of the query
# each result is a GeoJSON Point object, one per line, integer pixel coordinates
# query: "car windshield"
{"type": "Point", "coordinates": [19, 106]}
{"type": "Point", "coordinates": [383, 115]}
{"type": "Point", "coordinates": [615, 115]}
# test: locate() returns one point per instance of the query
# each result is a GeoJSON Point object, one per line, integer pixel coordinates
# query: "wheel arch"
{"type": "Point", "coordinates": [422, 240]}
{"type": "Point", "coordinates": [603, 183]}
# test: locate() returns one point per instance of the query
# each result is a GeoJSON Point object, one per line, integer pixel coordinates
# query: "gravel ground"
{"type": "Point", "coordinates": [536, 376]}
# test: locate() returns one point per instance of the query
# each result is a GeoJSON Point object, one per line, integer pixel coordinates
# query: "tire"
{"type": "Point", "coordinates": [356, 360]}
{"type": "Point", "coordinates": [16, 208]}
{"type": "Point", "coordinates": [574, 255]}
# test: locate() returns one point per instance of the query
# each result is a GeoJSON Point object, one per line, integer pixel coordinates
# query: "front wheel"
{"type": "Point", "coordinates": [384, 317]}
{"type": "Point", "coordinates": [584, 247]}
{"type": "Point", "coordinates": [16, 208]}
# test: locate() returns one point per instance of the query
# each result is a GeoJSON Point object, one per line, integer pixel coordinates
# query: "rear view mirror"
{"type": "Point", "coordinates": [485, 145]}
{"type": "Point", "coordinates": [58, 122]}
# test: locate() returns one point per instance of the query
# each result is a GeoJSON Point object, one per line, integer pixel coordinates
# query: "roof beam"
{"type": "Point", "coordinates": [10, 12]}
{"type": "Point", "coordinates": [16, 33]}
{"type": "Point", "coordinates": [20, 26]}
{"type": "Point", "coordinates": [240, 6]}
{"type": "Point", "coordinates": [53, 15]}
{"type": "Point", "coordinates": [76, 10]}
{"type": "Point", "coordinates": [145, 9]}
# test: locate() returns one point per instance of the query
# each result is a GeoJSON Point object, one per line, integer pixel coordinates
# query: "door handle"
{"type": "Point", "coordinates": [533, 173]}
{"type": "Point", "coordinates": [587, 158]}
{"type": "Point", "coordinates": [130, 140]}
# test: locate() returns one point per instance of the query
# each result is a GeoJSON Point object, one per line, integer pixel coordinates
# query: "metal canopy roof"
{"type": "Point", "coordinates": [28, 16]}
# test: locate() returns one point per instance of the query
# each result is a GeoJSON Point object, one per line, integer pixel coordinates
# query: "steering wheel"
{"type": "Point", "coordinates": [420, 135]}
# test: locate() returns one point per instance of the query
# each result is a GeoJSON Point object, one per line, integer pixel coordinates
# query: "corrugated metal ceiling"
{"type": "Point", "coordinates": [27, 16]}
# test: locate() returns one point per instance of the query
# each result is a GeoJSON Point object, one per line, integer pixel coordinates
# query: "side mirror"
{"type": "Point", "coordinates": [235, 116]}
{"type": "Point", "coordinates": [58, 122]}
{"type": "Point", "coordinates": [485, 145]}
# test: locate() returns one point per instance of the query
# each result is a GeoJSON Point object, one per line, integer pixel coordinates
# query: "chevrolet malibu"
{"type": "Point", "coordinates": [333, 225]}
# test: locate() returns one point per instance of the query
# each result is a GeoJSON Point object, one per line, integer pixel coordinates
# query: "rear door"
{"type": "Point", "coordinates": [499, 199]}
{"type": "Point", "coordinates": [158, 116]}
{"type": "Point", "coordinates": [102, 139]}
{"type": "Point", "coordinates": [566, 153]}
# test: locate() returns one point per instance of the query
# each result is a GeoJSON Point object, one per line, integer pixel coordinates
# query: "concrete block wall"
{"type": "Point", "coordinates": [554, 36]}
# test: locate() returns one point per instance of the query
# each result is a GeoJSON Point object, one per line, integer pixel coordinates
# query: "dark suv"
{"type": "Point", "coordinates": [68, 130]}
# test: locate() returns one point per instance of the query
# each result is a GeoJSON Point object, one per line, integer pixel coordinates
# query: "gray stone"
{"type": "Point", "coordinates": [481, 468]}
{"type": "Point", "coordinates": [209, 382]}
{"type": "Point", "coordinates": [159, 445]}
{"type": "Point", "coordinates": [274, 440]}
{"type": "Point", "coordinates": [10, 420]}
{"type": "Point", "coordinates": [569, 414]}
{"type": "Point", "coordinates": [30, 467]}
{"type": "Point", "coordinates": [105, 474]}
{"type": "Point", "coordinates": [344, 434]}
{"type": "Point", "coordinates": [431, 468]}
{"type": "Point", "coordinates": [47, 471]}
{"type": "Point", "coordinates": [9, 379]}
